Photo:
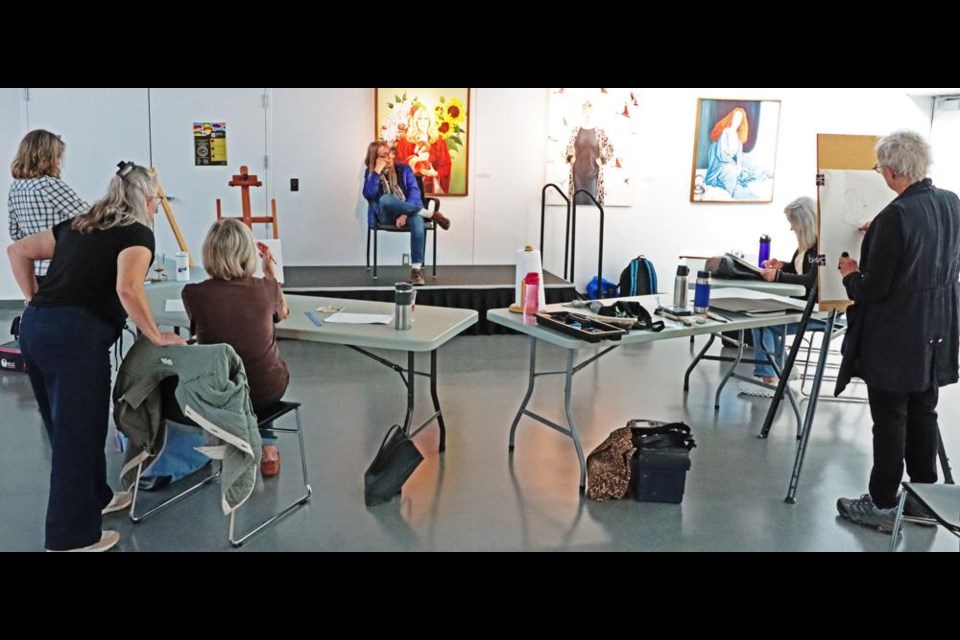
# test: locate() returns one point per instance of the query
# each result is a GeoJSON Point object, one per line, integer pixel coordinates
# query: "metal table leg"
{"type": "Point", "coordinates": [696, 361]}
{"type": "Point", "coordinates": [733, 370]}
{"type": "Point", "coordinates": [571, 429]}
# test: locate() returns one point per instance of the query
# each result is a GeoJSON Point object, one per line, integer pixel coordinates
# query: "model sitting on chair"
{"type": "Point", "coordinates": [234, 308]}
{"type": "Point", "coordinates": [395, 199]}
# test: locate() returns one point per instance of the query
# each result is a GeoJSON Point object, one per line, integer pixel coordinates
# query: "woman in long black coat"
{"type": "Point", "coordinates": [904, 336]}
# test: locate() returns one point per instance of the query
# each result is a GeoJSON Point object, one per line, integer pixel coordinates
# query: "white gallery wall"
{"type": "Point", "coordinates": [11, 130]}
{"type": "Point", "coordinates": [319, 137]}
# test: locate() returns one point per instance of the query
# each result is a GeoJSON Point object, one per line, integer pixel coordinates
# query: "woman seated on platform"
{"type": "Point", "coordinates": [802, 269]}
{"type": "Point", "coordinates": [235, 308]}
{"type": "Point", "coordinates": [394, 198]}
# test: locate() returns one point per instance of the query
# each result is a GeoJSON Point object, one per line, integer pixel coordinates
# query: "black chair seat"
{"type": "Point", "coordinates": [392, 228]}
{"type": "Point", "coordinates": [941, 501]}
{"type": "Point", "coordinates": [171, 408]}
{"type": "Point", "coordinates": [277, 411]}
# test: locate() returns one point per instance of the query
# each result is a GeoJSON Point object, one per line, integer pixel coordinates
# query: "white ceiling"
{"type": "Point", "coordinates": [932, 92]}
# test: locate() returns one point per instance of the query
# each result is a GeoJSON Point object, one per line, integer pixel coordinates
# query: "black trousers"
{"type": "Point", "coordinates": [905, 429]}
{"type": "Point", "coordinates": [67, 351]}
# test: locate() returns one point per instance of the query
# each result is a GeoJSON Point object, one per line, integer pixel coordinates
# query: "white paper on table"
{"type": "Point", "coordinates": [358, 318]}
{"type": "Point", "coordinates": [277, 252]}
{"type": "Point", "coordinates": [529, 262]}
{"type": "Point", "coordinates": [174, 305]}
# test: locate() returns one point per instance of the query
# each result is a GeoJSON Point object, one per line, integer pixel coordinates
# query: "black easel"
{"type": "Point", "coordinates": [804, 436]}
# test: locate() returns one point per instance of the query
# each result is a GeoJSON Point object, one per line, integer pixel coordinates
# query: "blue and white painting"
{"type": "Point", "coordinates": [736, 150]}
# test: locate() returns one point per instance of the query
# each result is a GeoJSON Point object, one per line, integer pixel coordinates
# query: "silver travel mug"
{"type": "Point", "coordinates": [403, 309]}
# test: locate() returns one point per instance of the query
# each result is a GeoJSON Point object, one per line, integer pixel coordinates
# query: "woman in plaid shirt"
{"type": "Point", "coordinates": [38, 198]}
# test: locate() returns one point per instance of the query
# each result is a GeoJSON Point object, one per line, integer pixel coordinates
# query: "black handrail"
{"type": "Point", "coordinates": [573, 244]}
{"type": "Point", "coordinates": [543, 222]}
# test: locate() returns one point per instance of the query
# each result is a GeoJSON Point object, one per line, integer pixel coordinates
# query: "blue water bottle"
{"type": "Point", "coordinates": [701, 299]}
{"type": "Point", "coordinates": [764, 250]}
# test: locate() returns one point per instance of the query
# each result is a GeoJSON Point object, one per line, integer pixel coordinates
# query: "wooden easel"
{"type": "Point", "coordinates": [245, 181]}
{"type": "Point", "coordinates": [172, 219]}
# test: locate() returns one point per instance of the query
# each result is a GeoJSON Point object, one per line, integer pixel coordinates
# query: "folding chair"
{"type": "Point", "coordinates": [171, 411]}
{"type": "Point", "coordinates": [428, 225]}
{"type": "Point", "coordinates": [941, 500]}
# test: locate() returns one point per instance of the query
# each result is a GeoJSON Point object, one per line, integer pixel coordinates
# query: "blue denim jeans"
{"type": "Point", "coordinates": [771, 340]}
{"type": "Point", "coordinates": [67, 352]}
{"type": "Point", "coordinates": [391, 208]}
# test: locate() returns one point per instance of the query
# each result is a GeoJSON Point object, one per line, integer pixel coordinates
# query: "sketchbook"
{"type": "Point", "coordinates": [746, 265]}
{"type": "Point", "coordinates": [753, 307]}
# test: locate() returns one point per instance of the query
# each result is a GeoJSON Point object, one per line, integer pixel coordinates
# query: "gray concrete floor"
{"type": "Point", "coordinates": [478, 497]}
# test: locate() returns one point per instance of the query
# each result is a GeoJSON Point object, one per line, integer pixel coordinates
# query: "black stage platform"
{"type": "Point", "coordinates": [460, 287]}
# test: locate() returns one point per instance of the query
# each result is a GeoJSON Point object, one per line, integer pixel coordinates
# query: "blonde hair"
{"type": "Point", "coordinates": [38, 155]}
{"type": "Point", "coordinates": [414, 132]}
{"type": "Point", "coordinates": [802, 212]}
{"type": "Point", "coordinates": [229, 250]}
{"type": "Point", "coordinates": [125, 202]}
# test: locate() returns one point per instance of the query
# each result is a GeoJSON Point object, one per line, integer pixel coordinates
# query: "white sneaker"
{"type": "Point", "coordinates": [120, 502]}
{"type": "Point", "coordinates": [755, 391]}
{"type": "Point", "coordinates": [108, 540]}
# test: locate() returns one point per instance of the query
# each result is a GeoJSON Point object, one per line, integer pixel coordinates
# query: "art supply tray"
{"type": "Point", "coordinates": [579, 326]}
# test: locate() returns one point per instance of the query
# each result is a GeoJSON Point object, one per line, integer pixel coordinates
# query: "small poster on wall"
{"type": "Point", "coordinates": [210, 144]}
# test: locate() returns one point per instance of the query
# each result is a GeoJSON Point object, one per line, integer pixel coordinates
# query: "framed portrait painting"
{"type": "Point", "coordinates": [429, 129]}
{"type": "Point", "coordinates": [593, 144]}
{"type": "Point", "coordinates": [735, 150]}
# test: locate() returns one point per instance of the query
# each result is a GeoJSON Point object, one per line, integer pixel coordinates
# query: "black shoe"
{"type": "Point", "coordinates": [154, 483]}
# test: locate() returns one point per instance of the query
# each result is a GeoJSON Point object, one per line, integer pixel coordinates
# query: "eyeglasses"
{"type": "Point", "coordinates": [878, 168]}
{"type": "Point", "coordinates": [388, 154]}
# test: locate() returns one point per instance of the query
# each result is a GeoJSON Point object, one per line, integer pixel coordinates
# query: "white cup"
{"type": "Point", "coordinates": [183, 266]}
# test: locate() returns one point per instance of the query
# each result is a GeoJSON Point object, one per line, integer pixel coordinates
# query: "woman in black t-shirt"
{"type": "Point", "coordinates": [99, 263]}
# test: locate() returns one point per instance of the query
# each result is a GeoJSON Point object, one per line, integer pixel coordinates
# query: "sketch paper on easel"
{"type": "Point", "coordinates": [848, 200]}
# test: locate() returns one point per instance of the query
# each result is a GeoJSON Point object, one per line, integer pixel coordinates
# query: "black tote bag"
{"type": "Point", "coordinates": [396, 459]}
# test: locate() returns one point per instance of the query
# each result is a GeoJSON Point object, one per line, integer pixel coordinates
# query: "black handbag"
{"type": "Point", "coordinates": [641, 318]}
{"type": "Point", "coordinates": [396, 459]}
{"type": "Point", "coordinates": [658, 435]}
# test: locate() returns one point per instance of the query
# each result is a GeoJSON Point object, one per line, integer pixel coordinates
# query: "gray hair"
{"type": "Point", "coordinates": [907, 153]}
{"type": "Point", "coordinates": [802, 213]}
{"type": "Point", "coordinates": [125, 202]}
{"type": "Point", "coordinates": [229, 250]}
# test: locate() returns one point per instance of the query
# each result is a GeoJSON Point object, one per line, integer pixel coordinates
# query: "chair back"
{"type": "Point", "coordinates": [425, 199]}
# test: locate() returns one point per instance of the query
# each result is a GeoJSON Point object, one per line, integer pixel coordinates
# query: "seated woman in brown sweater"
{"type": "Point", "coordinates": [234, 308]}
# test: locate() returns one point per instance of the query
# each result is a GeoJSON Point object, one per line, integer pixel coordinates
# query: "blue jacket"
{"type": "Point", "coordinates": [371, 190]}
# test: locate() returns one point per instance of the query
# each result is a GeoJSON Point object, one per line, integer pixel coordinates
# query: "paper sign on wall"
{"type": "Point", "coordinates": [210, 144]}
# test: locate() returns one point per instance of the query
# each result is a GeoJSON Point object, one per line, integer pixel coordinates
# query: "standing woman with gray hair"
{"type": "Point", "coordinates": [904, 330]}
{"type": "Point", "coordinates": [802, 269]}
{"type": "Point", "coordinates": [99, 261]}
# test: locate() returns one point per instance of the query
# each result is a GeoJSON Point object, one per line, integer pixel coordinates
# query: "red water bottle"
{"type": "Point", "coordinates": [531, 297]}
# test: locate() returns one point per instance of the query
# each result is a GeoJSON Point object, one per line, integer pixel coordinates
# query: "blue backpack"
{"type": "Point", "coordinates": [638, 279]}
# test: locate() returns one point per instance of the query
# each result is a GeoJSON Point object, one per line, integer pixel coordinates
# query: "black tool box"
{"type": "Point", "coordinates": [579, 326]}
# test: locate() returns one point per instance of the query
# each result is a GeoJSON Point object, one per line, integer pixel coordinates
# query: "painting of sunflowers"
{"type": "Point", "coordinates": [429, 130]}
